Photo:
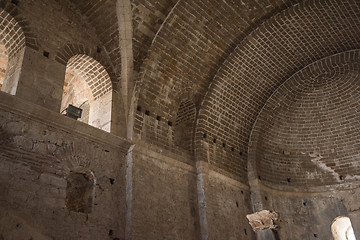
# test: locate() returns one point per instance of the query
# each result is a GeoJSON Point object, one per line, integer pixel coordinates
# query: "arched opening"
{"type": "Point", "coordinates": [12, 44]}
{"type": "Point", "coordinates": [341, 229]}
{"type": "Point", "coordinates": [87, 86]}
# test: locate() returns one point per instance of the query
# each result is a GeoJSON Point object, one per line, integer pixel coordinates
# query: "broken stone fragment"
{"type": "Point", "coordinates": [262, 220]}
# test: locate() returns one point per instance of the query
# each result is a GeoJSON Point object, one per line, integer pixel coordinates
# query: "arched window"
{"type": "Point", "coordinates": [12, 45]}
{"type": "Point", "coordinates": [341, 229]}
{"type": "Point", "coordinates": [88, 86]}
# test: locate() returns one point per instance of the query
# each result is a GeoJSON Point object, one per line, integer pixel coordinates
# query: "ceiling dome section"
{"type": "Point", "coordinates": [307, 135]}
{"type": "Point", "coordinates": [284, 44]}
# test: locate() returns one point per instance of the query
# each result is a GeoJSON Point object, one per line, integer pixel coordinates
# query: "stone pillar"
{"type": "Point", "coordinates": [13, 72]}
{"type": "Point", "coordinates": [41, 80]}
{"type": "Point", "coordinates": [202, 170]}
{"type": "Point", "coordinates": [119, 125]}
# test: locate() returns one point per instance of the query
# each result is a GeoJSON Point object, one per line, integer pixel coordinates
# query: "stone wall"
{"type": "Point", "coordinates": [314, 212]}
{"type": "Point", "coordinates": [227, 202]}
{"type": "Point", "coordinates": [164, 199]}
{"type": "Point", "coordinates": [39, 150]}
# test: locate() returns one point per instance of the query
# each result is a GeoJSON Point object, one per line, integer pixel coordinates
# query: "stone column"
{"type": "Point", "coordinates": [202, 170]}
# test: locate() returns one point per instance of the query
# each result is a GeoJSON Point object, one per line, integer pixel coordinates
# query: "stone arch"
{"type": "Point", "coordinates": [13, 38]}
{"type": "Point", "coordinates": [318, 147]}
{"type": "Point", "coordinates": [70, 50]}
{"type": "Point", "coordinates": [92, 72]}
{"type": "Point", "coordinates": [87, 80]}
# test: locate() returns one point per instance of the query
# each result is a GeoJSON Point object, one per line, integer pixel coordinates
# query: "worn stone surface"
{"type": "Point", "coordinates": [203, 111]}
{"type": "Point", "coordinates": [37, 162]}
{"type": "Point", "coordinates": [164, 200]}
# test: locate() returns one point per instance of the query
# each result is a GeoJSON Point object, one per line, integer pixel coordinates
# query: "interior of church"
{"type": "Point", "coordinates": [180, 119]}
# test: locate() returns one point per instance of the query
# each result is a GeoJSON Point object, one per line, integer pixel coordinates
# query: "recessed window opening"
{"type": "Point", "coordinates": [88, 87]}
{"type": "Point", "coordinates": [12, 45]}
{"type": "Point", "coordinates": [341, 229]}
{"type": "Point", "coordinates": [80, 191]}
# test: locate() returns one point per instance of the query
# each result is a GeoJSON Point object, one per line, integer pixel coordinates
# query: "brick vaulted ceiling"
{"type": "Point", "coordinates": [281, 46]}
{"type": "Point", "coordinates": [101, 15]}
{"type": "Point", "coordinates": [190, 46]}
{"type": "Point", "coordinates": [226, 56]}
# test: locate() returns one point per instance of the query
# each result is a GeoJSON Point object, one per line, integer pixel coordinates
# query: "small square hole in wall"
{"type": "Point", "coordinates": [98, 50]}
{"type": "Point", "coordinates": [288, 179]}
{"type": "Point", "coordinates": [112, 181]}
{"type": "Point", "coordinates": [315, 235]}
{"type": "Point", "coordinates": [111, 232]}
{"type": "Point", "coordinates": [204, 135]}
{"type": "Point", "coordinates": [15, 2]}
{"type": "Point", "coordinates": [214, 140]}
{"type": "Point", "coordinates": [46, 54]}
{"type": "Point", "coordinates": [138, 108]}
{"type": "Point", "coordinates": [232, 149]}
{"type": "Point", "coordinates": [245, 231]}
{"type": "Point", "coordinates": [158, 118]}
{"type": "Point", "coordinates": [170, 123]}
{"type": "Point", "coordinates": [224, 145]}
{"type": "Point", "coordinates": [241, 153]}
{"type": "Point", "coordinates": [147, 112]}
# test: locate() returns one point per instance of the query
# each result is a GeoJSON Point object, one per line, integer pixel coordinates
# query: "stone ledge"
{"type": "Point", "coordinates": [16, 105]}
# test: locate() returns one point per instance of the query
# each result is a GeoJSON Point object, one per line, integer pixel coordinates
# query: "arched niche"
{"type": "Point", "coordinates": [88, 86]}
{"type": "Point", "coordinates": [12, 45]}
{"type": "Point", "coordinates": [80, 191]}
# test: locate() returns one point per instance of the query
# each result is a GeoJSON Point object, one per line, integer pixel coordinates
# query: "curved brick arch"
{"type": "Point", "coordinates": [281, 46]}
{"type": "Point", "coordinates": [70, 50]}
{"type": "Point", "coordinates": [92, 72]}
{"type": "Point", "coordinates": [10, 14]}
{"type": "Point", "coordinates": [307, 134]}
{"type": "Point", "coordinates": [11, 34]}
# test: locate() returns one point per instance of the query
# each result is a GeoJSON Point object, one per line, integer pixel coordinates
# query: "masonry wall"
{"type": "Point", "coordinates": [227, 204]}
{"type": "Point", "coordinates": [164, 198]}
{"type": "Point", "coordinates": [314, 212]}
{"type": "Point", "coordinates": [38, 151]}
